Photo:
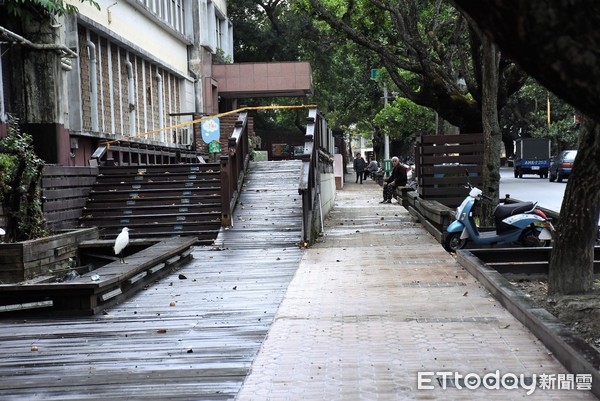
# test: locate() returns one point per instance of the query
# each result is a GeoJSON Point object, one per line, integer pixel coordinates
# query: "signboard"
{"type": "Point", "coordinates": [211, 130]}
{"type": "Point", "coordinates": [214, 147]}
{"type": "Point", "coordinates": [374, 74]}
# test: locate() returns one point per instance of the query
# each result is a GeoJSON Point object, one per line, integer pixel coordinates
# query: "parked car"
{"type": "Point", "coordinates": [561, 165]}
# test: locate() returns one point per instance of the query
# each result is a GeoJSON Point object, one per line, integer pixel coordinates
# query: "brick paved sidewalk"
{"type": "Point", "coordinates": [378, 300]}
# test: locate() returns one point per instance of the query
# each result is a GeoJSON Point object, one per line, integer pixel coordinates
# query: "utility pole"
{"type": "Point", "coordinates": [386, 142]}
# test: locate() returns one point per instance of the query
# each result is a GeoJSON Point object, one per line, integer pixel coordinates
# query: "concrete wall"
{"type": "Point", "coordinates": [130, 22]}
{"type": "Point", "coordinates": [338, 170]}
{"type": "Point", "coordinates": [328, 192]}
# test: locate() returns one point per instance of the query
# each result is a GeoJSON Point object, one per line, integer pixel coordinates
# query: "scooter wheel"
{"type": "Point", "coordinates": [452, 243]}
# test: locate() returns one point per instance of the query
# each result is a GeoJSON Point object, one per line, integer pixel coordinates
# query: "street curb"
{"type": "Point", "coordinates": [573, 352]}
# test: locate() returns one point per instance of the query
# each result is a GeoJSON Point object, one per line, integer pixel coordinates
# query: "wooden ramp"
{"type": "Point", "coordinates": [269, 208]}
{"type": "Point", "coordinates": [192, 335]}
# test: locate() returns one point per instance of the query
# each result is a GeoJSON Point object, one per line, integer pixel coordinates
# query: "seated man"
{"type": "Point", "coordinates": [372, 168]}
{"type": "Point", "coordinates": [396, 179]}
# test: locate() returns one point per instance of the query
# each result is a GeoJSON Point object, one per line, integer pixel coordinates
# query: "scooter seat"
{"type": "Point", "coordinates": [503, 211]}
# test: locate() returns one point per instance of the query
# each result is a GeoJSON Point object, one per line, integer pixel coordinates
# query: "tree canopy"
{"type": "Point", "coordinates": [26, 10]}
{"type": "Point", "coordinates": [427, 49]}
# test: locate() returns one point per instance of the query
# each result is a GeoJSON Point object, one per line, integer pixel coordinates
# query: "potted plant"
{"type": "Point", "coordinates": [28, 248]}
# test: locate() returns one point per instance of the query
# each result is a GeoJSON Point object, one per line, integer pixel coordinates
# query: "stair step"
{"type": "Point", "coordinates": [162, 177]}
{"type": "Point", "coordinates": [160, 168]}
{"type": "Point", "coordinates": [157, 201]}
{"type": "Point", "coordinates": [125, 198]}
{"type": "Point", "coordinates": [152, 219]}
{"type": "Point", "coordinates": [157, 193]}
{"type": "Point", "coordinates": [103, 209]}
{"type": "Point", "coordinates": [141, 231]}
{"type": "Point", "coordinates": [124, 186]}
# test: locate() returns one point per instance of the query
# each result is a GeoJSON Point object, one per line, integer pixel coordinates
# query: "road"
{"type": "Point", "coordinates": [532, 188]}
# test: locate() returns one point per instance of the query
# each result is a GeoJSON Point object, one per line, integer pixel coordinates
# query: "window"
{"type": "Point", "coordinates": [169, 11]}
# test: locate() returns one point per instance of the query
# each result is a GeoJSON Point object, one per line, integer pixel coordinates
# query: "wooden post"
{"type": "Point", "coordinates": [225, 191]}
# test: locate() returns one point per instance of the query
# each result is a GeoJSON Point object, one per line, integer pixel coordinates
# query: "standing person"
{"type": "Point", "coordinates": [396, 179]}
{"type": "Point", "coordinates": [359, 167]}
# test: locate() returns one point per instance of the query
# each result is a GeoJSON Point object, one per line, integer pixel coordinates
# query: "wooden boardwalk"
{"type": "Point", "coordinates": [192, 335]}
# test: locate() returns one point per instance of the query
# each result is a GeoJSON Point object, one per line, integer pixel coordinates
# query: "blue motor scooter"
{"type": "Point", "coordinates": [517, 222]}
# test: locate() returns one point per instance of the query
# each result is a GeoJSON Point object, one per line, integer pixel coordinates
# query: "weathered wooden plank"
{"type": "Point", "coordinates": [64, 204]}
{"type": "Point", "coordinates": [144, 348]}
{"type": "Point", "coordinates": [56, 170]}
{"type": "Point", "coordinates": [26, 305]}
{"type": "Point", "coordinates": [68, 181]}
{"type": "Point", "coordinates": [75, 192]}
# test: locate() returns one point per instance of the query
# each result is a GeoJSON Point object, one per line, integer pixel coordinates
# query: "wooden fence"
{"type": "Point", "coordinates": [65, 191]}
{"type": "Point", "coordinates": [441, 162]}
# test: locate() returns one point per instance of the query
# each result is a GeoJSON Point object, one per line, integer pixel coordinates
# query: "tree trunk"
{"type": "Point", "coordinates": [491, 129]}
{"type": "Point", "coordinates": [12, 205]}
{"type": "Point", "coordinates": [572, 260]}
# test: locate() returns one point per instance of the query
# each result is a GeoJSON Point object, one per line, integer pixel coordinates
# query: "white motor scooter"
{"type": "Point", "coordinates": [519, 222]}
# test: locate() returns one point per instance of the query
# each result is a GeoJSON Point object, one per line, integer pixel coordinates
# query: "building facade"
{"type": "Point", "coordinates": [126, 68]}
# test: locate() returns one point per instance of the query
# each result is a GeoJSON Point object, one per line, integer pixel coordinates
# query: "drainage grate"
{"type": "Point", "coordinates": [424, 262]}
{"type": "Point", "coordinates": [433, 284]}
{"type": "Point", "coordinates": [474, 319]}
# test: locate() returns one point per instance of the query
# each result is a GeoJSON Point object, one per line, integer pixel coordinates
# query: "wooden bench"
{"type": "Point", "coordinates": [93, 291]}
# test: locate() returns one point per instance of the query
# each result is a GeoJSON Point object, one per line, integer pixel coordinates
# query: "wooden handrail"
{"type": "Point", "coordinates": [233, 167]}
{"type": "Point", "coordinates": [318, 143]}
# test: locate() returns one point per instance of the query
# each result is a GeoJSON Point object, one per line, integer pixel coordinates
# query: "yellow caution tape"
{"type": "Point", "coordinates": [199, 120]}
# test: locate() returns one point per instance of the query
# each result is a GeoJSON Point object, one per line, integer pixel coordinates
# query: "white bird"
{"type": "Point", "coordinates": [2, 232]}
{"type": "Point", "coordinates": [121, 242]}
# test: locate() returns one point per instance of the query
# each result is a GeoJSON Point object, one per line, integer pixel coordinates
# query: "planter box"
{"type": "Point", "coordinates": [26, 260]}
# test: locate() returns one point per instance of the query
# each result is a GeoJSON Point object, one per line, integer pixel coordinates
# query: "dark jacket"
{"type": "Point", "coordinates": [398, 176]}
{"type": "Point", "coordinates": [359, 164]}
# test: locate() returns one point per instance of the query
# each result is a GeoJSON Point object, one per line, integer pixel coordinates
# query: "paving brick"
{"type": "Point", "coordinates": [377, 301]}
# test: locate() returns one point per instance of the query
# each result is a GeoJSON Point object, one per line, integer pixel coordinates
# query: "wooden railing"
{"type": "Point", "coordinates": [233, 166]}
{"type": "Point", "coordinates": [125, 153]}
{"type": "Point", "coordinates": [441, 161]}
{"type": "Point", "coordinates": [317, 158]}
